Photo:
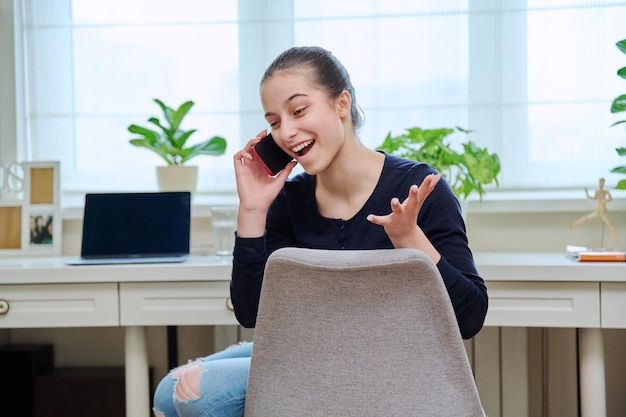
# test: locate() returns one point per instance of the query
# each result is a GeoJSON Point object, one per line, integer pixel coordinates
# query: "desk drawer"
{"type": "Point", "coordinates": [179, 303]}
{"type": "Point", "coordinates": [543, 304]}
{"type": "Point", "coordinates": [613, 305]}
{"type": "Point", "coordinates": [59, 305]}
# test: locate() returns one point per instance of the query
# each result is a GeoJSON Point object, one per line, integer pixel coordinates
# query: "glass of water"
{"type": "Point", "coordinates": [223, 225]}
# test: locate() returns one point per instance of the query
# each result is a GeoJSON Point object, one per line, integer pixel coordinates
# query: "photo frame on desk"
{"type": "Point", "coordinates": [30, 209]}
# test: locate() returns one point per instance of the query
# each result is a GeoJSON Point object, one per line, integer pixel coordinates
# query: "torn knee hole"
{"type": "Point", "coordinates": [188, 383]}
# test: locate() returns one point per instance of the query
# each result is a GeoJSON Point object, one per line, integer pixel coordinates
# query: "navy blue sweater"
{"type": "Point", "coordinates": [294, 220]}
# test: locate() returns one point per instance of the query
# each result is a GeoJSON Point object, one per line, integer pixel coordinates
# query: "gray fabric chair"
{"type": "Point", "coordinates": [357, 333]}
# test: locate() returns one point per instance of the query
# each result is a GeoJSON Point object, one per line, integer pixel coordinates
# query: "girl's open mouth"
{"type": "Point", "coordinates": [303, 148]}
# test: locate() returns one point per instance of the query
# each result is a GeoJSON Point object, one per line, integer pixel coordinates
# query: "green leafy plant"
{"type": "Point", "coordinates": [169, 141]}
{"type": "Point", "coordinates": [618, 106]}
{"type": "Point", "coordinates": [466, 171]}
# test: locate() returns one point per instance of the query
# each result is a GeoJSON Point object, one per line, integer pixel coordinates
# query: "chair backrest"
{"type": "Point", "coordinates": [357, 333]}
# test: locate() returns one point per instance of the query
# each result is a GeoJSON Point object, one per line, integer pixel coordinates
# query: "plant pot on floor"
{"type": "Point", "coordinates": [177, 178]}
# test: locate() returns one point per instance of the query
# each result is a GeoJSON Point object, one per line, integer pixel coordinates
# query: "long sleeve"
{"type": "Point", "coordinates": [442, 221]}
{"type": "Point", "coordinates": [249, 257]}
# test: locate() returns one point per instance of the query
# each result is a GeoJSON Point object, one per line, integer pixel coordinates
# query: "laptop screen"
{"type": "Point", "coordinates": [136, 224]}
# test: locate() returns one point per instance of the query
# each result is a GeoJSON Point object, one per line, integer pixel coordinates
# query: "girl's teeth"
{"type": "Point", "coordinates": [303, 145]}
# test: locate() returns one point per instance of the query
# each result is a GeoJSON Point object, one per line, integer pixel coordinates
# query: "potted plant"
{"type": "Point", "coordinates": [618, 106]}
{"type": "Point", "coordinates": [169, 141]}
{"type": "Point", "coordinates": [467, 171]}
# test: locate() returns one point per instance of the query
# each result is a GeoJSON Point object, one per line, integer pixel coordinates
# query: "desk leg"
{"type": "Point", "coordinates": [591, 375]}
{"type": "Point", "coordinates": [136, 374]}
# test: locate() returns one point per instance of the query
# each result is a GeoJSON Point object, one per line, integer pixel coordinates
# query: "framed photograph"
{"type": "Point", "coordinates": [30, 209]}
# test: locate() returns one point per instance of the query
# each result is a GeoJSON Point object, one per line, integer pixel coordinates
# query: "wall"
{"type": "Point", "coordinates": [539, 232]}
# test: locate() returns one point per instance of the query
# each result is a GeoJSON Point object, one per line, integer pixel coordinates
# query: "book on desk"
{"type": "Point", "coordinates": [587, 254]}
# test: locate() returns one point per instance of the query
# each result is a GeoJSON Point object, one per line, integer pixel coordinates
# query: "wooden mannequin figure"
{"type": "Point", "coordinates": [603, 196]}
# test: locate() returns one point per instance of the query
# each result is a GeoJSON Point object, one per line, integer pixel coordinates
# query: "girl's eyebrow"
{"type": "Point", "coordinates": [290, 98]}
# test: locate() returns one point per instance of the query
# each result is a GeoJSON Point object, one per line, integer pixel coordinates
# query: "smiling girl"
{"type": "Point", "coordinates": [348, 197]}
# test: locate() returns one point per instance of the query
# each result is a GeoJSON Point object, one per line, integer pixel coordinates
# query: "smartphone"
{"type": "Point", "coordinates": [270, 155]}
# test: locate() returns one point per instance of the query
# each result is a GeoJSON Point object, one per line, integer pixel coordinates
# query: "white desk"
{"type": "Point", "coordinates": [526, 290]}
{"type": "Point", "coordinates": [548, 290]}
{"type": "Point", "coordinates": [45, 292]}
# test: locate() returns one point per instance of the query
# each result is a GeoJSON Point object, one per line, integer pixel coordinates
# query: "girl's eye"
{"type": "Point", "coordinates": [272, 124]}
{"type": "Point", "coordinates": [299, 111]}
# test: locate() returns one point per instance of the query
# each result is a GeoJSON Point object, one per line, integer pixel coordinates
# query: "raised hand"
{"type": "Point", "coordinates": [401, 224]}
{"type": "Point", "coordinates": [256, 189]}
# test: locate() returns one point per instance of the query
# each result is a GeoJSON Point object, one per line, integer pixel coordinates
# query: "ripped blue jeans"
{"type": "Point", "coordinates": [213, 386]}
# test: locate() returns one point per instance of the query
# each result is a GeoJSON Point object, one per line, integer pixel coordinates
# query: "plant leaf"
{"type": "Point", "coordinates": [621, 45]}
{"type": "Point", "coordinates": [622, 72]}
{"type": "Point", "coordinates": [466, 172]}
{"type": "Point", "coordinates": [168, 112]}
{"type": "Point", "coordinates": [214, 146]}
{"type": "Point", "coordinates": [179, 115]}
{"type": "Point", "coordinates": [619, 170]}
{"type": "Point", "coordinates": [148, 134]}
{"type": "Point", "coordinates": [169, 143]}
{"type": "Point", "coordinates": [157, 122]}
{"type": "Point", "coordinates": [460, 129]}
{"type": "Point", "coordinates": [619, 104]}
{"type": "Point", "coordinates": [156, 148]}
{"type": "Point", "coordinates": [180, 138]}
{"type": "Point", "coordinates": [621, 185]}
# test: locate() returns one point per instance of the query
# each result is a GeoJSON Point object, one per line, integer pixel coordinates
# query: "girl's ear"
{"type": "Point", "coordinates": [344, 103]}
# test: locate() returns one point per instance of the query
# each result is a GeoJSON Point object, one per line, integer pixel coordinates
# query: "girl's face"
{"type": "Point", "coordinates": [305, 122]}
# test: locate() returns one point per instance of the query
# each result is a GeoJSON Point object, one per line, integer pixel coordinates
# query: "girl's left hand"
{"type": "Point", "coordinates": [401, 224]}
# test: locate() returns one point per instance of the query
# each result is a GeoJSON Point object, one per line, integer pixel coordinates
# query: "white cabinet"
{"type": "Point", "coordinates": [613, 305]}
{"type": "Point", "coordinates": [543, 304]}
{"type": "Point", "coordinates": [175, 303]}
{"type": "Point", "coordinates": [58, 305]}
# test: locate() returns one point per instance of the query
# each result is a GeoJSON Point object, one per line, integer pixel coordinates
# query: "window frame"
{"type": "Point", "coordinates": [259, 47]}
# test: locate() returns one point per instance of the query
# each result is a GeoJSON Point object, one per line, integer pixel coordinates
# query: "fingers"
{"type": "Point", "coordinates": [395, 205]}
{"type": "Point", "coordinates": [241, 157]}
{"type": "Point", "coordinates": [379, 220]}
{"type": "Point", "coordinates": [427, 186]}
{"type": "Point", "coordinates": [245, 153]}
{"type": "Point", "coordinates": [286, 171]}
{"type": "Point", "coordinates": [430, 181]}
{"type": "Point", "coordinates": [417, 195]}
{"type": "Point", "coordinates": [413, 202]}
{"type": "Point", "coordinates": [396, 208]}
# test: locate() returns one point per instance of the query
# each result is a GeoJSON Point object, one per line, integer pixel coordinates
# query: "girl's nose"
{"type": "Point", "coordinates": [288, 130]}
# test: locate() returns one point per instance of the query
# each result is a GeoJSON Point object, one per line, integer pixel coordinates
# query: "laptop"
{"type": "Point", "coordinates": [127, 228]}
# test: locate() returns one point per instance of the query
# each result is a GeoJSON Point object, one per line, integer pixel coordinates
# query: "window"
{"type": "Point", "coordinates": [534, 82]}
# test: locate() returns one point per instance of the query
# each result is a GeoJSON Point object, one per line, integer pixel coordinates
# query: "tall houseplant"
{"type": "Point", "coordinates": [168, 140]}
{"type": "Point", "coordinates": [618, 106]}
{"type": "Point", "coordinates": [467, 171]}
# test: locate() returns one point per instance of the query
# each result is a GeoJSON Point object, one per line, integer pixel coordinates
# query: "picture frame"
{"type": "Point", "coordinates": [30, 210]}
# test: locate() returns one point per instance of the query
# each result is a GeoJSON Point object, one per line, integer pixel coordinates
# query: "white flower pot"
{"type": "Point", "coordinates": [177, 178]}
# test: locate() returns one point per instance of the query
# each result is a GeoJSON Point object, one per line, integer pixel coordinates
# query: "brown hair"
{"type": "Point", "coordinates": [329, 73]}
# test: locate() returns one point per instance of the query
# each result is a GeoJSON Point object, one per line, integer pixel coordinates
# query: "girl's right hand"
{"type": "Point", "coordinates": [256, 189]}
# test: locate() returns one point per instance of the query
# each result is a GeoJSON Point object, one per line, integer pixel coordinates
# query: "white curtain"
{"type": "Point", "coordinates": [534, 82]}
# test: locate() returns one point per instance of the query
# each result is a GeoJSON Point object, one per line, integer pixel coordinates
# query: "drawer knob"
{"type": "Point", "coordinates": [4, 307]}
{"type": "Point", "coordinates": [229, 304]}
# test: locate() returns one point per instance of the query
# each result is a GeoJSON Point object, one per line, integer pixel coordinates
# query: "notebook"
{"type": "Point", "coordinates": [121, 228]}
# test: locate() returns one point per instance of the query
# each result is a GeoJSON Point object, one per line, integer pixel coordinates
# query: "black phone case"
{"type": "Point", "coordinates": [273, 158]}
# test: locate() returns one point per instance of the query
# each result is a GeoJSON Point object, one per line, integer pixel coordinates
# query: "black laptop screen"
{"type": "Point", "coordinates": [136, 224]}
